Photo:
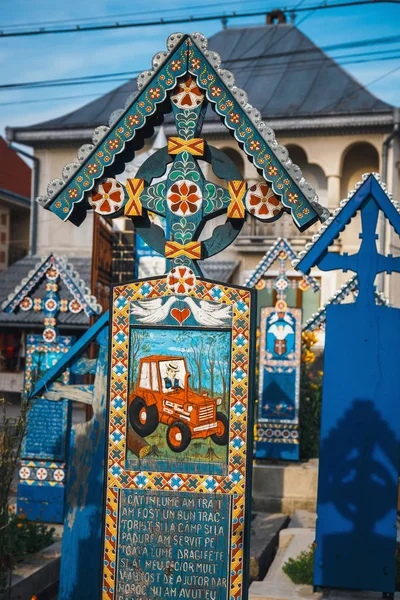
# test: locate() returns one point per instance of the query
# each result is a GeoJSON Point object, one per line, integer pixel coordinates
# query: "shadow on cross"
{"type": "Point", "coordinates": [357, 495]}
{"type": "Point", "coordinates": [277, 402]}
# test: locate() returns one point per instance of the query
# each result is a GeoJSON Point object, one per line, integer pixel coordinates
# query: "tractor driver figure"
{"type": "Point", "coordinates": [171, 381]}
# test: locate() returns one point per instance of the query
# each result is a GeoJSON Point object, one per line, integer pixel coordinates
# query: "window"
{"type": "Point", "coordinates": [145, 376]}
{"type": "Point", "coordinates": [154, 377]}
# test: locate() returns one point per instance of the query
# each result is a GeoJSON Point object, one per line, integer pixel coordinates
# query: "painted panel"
{"type": "Point", "coordinates": [171, 544]}
{"type": "Point", "coordinates": [279, 380]}
{"type": "Point", "coordinates": [45, 446]}
{"type": "Point", "coordinates": [179, 440]}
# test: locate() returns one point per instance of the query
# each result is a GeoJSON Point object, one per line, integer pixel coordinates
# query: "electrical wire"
{"type": "Point", "coordinates": [129, 74]}
{"type": "Point", "coordinates": [192, 19]}
{"type": "Point", "coordinates": [80, 96]}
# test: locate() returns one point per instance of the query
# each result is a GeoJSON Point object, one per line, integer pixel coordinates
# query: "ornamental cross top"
{"type": "Point", "coordinates": [367, 263]}
{"type": "Point", "coordinates": [171, 182]}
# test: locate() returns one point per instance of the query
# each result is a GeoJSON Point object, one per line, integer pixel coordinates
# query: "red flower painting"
{"type": "Point", "coordinates": [184, 198]}
{"type": "Point", "coordinates": [262, 202]}
{"type": "Point", "coordinates": [108, 197]}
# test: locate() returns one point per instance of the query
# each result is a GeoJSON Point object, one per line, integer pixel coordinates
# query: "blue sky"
{"type": "Point", "coordinates": [44, 57]}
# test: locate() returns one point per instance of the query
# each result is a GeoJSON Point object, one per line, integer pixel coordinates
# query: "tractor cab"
{"type": "Point", "coordinates": [162, 395]}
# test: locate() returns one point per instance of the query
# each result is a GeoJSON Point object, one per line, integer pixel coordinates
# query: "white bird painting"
{"type": "Point", "coordinates": [208, 313]}
{"type": "Point", "coordinates": [152, 311]}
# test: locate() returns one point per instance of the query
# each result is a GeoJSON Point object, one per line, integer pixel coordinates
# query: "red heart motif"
{"type": "Point", "coordinates": [180, 315]}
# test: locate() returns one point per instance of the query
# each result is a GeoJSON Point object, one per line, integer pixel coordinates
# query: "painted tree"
{"type": "Point", "coordinates": [139, 347]}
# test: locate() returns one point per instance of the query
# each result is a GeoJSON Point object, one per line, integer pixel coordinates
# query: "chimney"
{"type": "Point", "coordinates": [275, 16]}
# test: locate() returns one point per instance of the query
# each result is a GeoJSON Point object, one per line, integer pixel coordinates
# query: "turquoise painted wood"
{"type": "Point", "coordinates": [81, 543]}
{"type": "Point", "coordinates": [360, 428]}
{"type": "Point", "coordinates": [44, 454]}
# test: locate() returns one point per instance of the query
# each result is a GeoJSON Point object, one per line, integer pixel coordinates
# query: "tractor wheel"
{"type": "Point", "coordinates": [222, 436]}
{"type": "Point", "coordinates": [178, 436]}
{"type": "Point", "coordinates": [143, 418]}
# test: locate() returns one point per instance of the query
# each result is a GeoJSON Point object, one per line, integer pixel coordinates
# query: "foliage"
{"type": "Point", "coordinates": [25, 537]}
{"type": "Point", "coordinates": [18, 536]}
{"type": "Point", "coordinates": [301, 569]}
{"type": "Point", "coordinates": [310, 398]}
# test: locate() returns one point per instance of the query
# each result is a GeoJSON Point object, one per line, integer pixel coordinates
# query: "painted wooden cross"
{"type": "Point", "coordinates": [43, 468]}
{"type": "Point", "coordinates": [277, 422]}
{"type": "Point", "coordinates": [360, 431]}
{"type": "Point", "coordinates": [180, 393]}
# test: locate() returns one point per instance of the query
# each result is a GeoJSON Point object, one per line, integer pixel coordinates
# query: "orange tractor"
{"type": "Point", "coordinates": [163, 395]}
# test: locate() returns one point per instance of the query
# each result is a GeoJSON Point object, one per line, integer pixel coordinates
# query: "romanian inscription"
{"type": "Point", "coordinates": [46, 432]}
{"type": "Point", "coordinates": [173, 545]}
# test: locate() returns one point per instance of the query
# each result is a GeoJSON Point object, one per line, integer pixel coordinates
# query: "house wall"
{"type": "Point", "coordinates": [53, 235]}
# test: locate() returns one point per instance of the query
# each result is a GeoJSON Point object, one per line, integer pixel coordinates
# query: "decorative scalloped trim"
{"type": "Point", "coordinates": [351, 285]}
{"type": "Point", "coordinates": [67, 273]}
{"type": "Point", "coordinates": [266, 133]}
{"type": "Point", "coordinates": [338, 210]}
{"type": "Point", "coordinates": [270, 257]}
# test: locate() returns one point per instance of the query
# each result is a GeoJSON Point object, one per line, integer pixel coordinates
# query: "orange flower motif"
{"type": "Point", "coordinates": [255, 145]}
{"type": "Point", "coordinates": [234, 118]}
{"type": "Point", "coordinates": [273, 171]}
{"type": "Point", "coordinates": [187, 94]}
{"type": "Point", "coordinates": [181, 280]}
{"type": "Point", "coordinates": [92, 169]}
{"type": "Point", "coordinates": [133, 120]}
{"type": "Point", "coordinates": [73, 193]}
{"type": "Point", "coordinates": [155, 93]}
{"type": "Point", "coordinates": [196, 63]}
{"type": "Point", "coordinates": [113, 144]}
{"type": "Point", "coordinates": [216, 91]}
{"type": "Point", "coordinates": [293, 198]}
{"type": "Point", "coordinates": [184, 198]}
{"type": "Point", "coordinates": [176, 65]}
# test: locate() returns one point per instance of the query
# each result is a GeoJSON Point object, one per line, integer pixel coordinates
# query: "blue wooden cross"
{"type": "Point", "coordinates": [360, 426]}
{"type": "Point", "coordinates": [367, 263]}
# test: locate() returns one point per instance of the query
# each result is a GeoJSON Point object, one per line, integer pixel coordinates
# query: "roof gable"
{"type": "Point", "coordinates": [48, 271]}
{"type": "Point", "coordinates": [281, 245]}
{"type": "Point", "coordinates": [113, 147]}
{"type": "Point", "coordinates": [371, 188]}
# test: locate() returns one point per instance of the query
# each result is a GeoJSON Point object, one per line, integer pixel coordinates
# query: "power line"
{"type": "Point", "coordinates": [273, 69]}
{"type": "Point", "coordinates": [104, 78]}
{"type": "Point", "coordinates": [192, 19]}
{"type": "Point", "coordinates": [130, 14]}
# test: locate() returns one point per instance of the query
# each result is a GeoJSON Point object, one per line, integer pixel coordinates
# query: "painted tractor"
{"type": "Point", "coordinates": [163, 395]}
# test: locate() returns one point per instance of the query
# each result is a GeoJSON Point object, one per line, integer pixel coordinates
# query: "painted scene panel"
{"type": "Point", "coordinates": [178, 399]}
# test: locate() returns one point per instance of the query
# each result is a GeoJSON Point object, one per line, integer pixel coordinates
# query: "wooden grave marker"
{"type": "Point", "coordinates": [277, 418]}
{"type": "Point", "coordinates": [44, 456]}
{"type": "Point", "coordinates": [359, 448]}
{"type": "Point", "coordinates": [180, 416]}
